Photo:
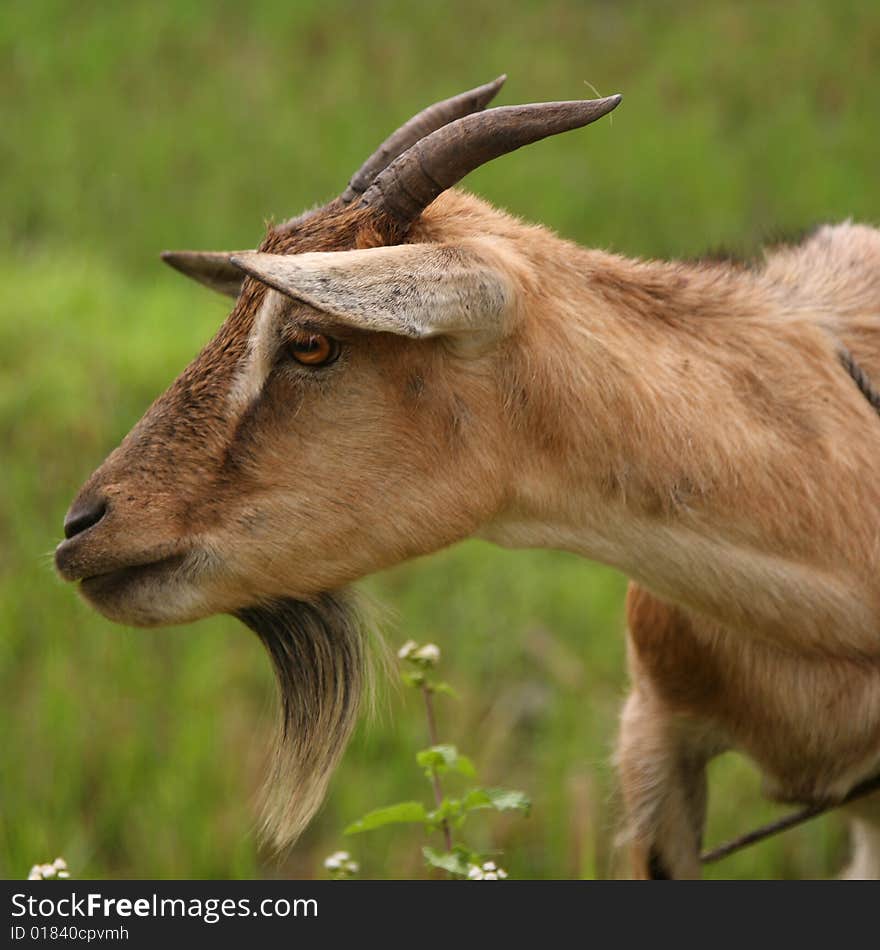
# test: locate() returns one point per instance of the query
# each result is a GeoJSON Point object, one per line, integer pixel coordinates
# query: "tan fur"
{"type": "Point", "coordinates": [689, 424]}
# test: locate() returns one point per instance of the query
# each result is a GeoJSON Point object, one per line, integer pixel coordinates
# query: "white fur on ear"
{"type": "Point", "coordinates": [415, 290]}
{"type": "Point", "coordinates": [211, 268]}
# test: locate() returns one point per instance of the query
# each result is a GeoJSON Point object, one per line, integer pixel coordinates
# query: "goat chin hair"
{"type": "Point", "coordinates": [324, 666]}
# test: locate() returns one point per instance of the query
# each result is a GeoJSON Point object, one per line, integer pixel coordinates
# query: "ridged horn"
{"type": "Point", "coordinates": [437, 162]}
{"type": "Point", "coordinates": [423, 123]}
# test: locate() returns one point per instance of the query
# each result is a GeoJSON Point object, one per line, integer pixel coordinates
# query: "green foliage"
{"type": "Point", "coordinates": [440, 759]}
{"type": "Point", "coordinates": [418, 679]}
{"type": "Point", "coordinates": [437, 761]}
{"type": "Point", "coordinates": [132, 127]}
{"type": "Point", "coordinates": [498, 799]}
{"type": "Point", "coordinates": [454, 862]}
{"type": "Point", "coordinates": [455, 810]}
{"type": "Point", "coordinates": [401, 813]}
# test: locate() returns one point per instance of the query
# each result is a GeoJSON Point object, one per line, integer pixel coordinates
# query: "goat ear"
{"type": "Point", "coordinates": [211, 268]}
{"type": "Point", "coordinates": [415, 290]}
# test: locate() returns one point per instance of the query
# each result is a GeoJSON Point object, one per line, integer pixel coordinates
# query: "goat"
{"type": "Point", "coordinates": [406, 367]}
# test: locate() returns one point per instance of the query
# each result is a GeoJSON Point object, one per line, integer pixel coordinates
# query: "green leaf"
{"type": "Point", "coordinates": [455, 862]}
{"type": "Point", "coordinates": [443, 688]}
{"type": "Point", "coordinates": [449, 809]}
{"type": "Point", "coordinates": [476, 799]}
{"type": "Point", "coordinates": [508, 799]}
{"type": "Point", "coordinates": [416, 680]}
{"type": "Point", "coordinates": [444, 758]}
{"type": "Point", "coordinates": [399, 814]}
{"type": "Point", "coordinates": [498, 799]}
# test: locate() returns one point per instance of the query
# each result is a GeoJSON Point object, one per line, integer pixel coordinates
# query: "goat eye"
{"type": "Point", "coordinates": [313, 350]}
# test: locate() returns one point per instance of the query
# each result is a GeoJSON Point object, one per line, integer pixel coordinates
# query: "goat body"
{"type": "Point", "coordinates": [707, 441]}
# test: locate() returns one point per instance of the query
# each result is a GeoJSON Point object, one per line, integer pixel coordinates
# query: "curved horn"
{"type": "Point", "coordinates": [413, 180]}
{"type": "Point", "coordinates": [420, 125]}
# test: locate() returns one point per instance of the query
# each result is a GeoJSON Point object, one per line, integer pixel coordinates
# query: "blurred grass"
{"type": "Point", "coordinates": [132, 127]}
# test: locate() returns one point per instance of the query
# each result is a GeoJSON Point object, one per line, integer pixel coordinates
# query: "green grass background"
{"type": "Point", "coordinates": [130, 127]}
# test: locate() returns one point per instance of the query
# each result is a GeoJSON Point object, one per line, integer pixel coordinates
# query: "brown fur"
{"type": "Point", "coordinates": [687, 423]}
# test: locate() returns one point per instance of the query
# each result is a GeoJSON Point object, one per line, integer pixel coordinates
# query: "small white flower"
{"type": "Point", "coordinates": [47, 870]}
{"type": "Point", "coordinates": [429, 653]}
{"type": "Point", "coordinates": [408, 647]}
{"type": "Point", "coordinates": [489, 871]}
{"type": "Point", "coordinates": [339, 864]}
{"type": "Point", "coordinates": [63, 874]}
{"type": "Point", "coordinates": [59, 864]}
{"type": "Point", "coordinates": [35, 875]}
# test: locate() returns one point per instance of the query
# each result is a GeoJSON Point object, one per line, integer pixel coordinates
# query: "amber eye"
{"type": "Point", "coordinates": [313, 350]}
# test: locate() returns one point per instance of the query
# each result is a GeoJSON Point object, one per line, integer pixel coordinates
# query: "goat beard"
{"type": "Point", "coordinates": [320, 652]}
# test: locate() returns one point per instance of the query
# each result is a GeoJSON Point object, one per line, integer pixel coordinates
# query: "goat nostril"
{"type": "Point", "coordinates": [83, 515]}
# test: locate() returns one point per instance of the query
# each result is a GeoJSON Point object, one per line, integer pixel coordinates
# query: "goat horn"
{"type": "Point", "coordinates": [420, 125]}
{"type": "Point", "coordinates": [413, 180]}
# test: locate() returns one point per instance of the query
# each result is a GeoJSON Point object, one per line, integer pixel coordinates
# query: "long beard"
{"type": "Point", "coordinates": [321, 658]}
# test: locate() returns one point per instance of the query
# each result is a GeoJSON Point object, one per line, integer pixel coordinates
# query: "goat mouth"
{"type": "Point", "coordinates": [77, 560]}
{"type": "Point", "coordinates": [97, 587]}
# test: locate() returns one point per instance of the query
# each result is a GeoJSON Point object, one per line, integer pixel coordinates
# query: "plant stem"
{"type": "Point", "coordinates": [435, 778]}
